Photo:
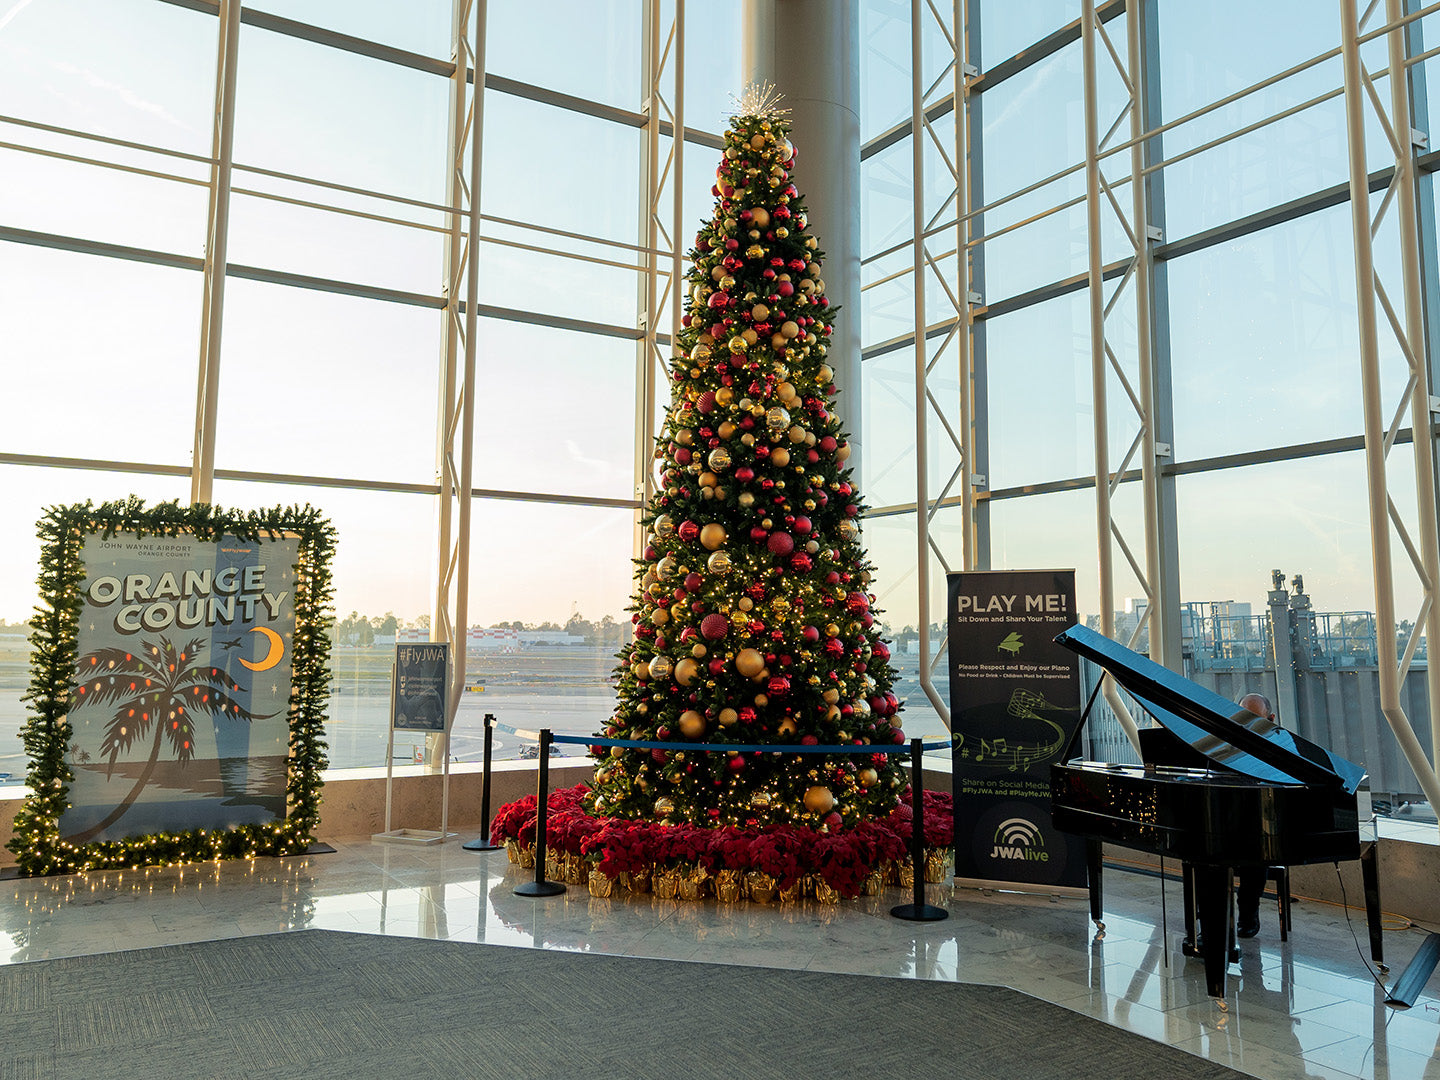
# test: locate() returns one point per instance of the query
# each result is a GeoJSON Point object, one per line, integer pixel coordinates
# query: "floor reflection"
{"type": "Point", "coordinates": [1305, 1008]}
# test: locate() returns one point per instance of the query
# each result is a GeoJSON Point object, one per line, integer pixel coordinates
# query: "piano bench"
{"type": "Point", "coordinates": [1280, 875]}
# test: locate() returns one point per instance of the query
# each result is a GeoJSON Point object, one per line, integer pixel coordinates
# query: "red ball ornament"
{"type": "Point", "coordinates": [747, 715]}
{"type": "Point", "coordinates": [835, 648]}
{"type": "Point", "coordinates": [784, 289]}
{"type": "Point", "coordinates": [779, 686]}
{"type": "Point", "coordinates": [802, 524]}
{"type": "Point", "coordinates": [744, 474]}
{"type": "Point", "coordinates": [827, 443]}
{"type": "Point", "coordinates": [800, 562]}
{"type": "Point", "coordinates": [657, 755]}
{"type": "Point", "coordinates": [881, 650]}
{"type": "Point", "coordinates": [682, 455]}
{"type": "Point", "coordinates": [736, 764]}
{"type": "Point", "coordinates": [832, 820]}
{"type": "Point", "coordinates": [810, 634]}
{"type": "Point", "coordinates": [758, 534]}
{"type": "Point", "coordinates": [717, 666]}
{"type": "Point", "coordinates": [780, 544]}
{"type": "Point", "coordinates": [693, 582]}
{"type": "Point", "coordinates": [688, 530]}
{"type": "Point", "coordinates": [714, 626]}
{"type": "Point", "coordinates": [706, 402]}
{"type": "Point", "coordinates": [809, 740]}
{"type": "Point", "coordinates": [857, 602]}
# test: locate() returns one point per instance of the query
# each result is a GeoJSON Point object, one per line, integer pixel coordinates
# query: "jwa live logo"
{"type": "Point", "coordinates": [1019, 838]}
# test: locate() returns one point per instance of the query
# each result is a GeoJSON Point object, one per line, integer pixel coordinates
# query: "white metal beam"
{"type": "Point", "coordinates": [1410, 335]}
{"type": "Point", "coordinates": [217, 237]}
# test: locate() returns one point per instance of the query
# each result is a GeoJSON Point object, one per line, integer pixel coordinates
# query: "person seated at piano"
{"type": "Point", "coordinates": [1250, 880]}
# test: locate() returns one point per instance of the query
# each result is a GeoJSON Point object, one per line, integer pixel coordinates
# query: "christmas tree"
{"type": "Point", "coordinates": [753, 621]}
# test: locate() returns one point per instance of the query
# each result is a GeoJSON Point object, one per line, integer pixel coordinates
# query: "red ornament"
{"type": "Point", "coordinates": [810, 634]}
{"type": "Point", "coordinates": [706, 402]}
{"type": "Point", "coordinates": [736, 764]}
{"type": "Point", "coordinates": [758, 533]}
{"type": "Point", "coordinates": [800, 562]}
{"type": "Point", "coordinates": [809, 740]}
{"type": "Point", "coordinates": [688, 530]}
{"type": "Point", "coordinates": [827, 443]}
{"type": "Point", "coordinates": [835, 648]}
{"type": "Point", "coordinates": [802, 524]}
{"type": "Point", "coordinates": [779, 686]}
{"type": "Point", "coordinates": [832, 820]}
{"type": "Point", "coordinates": [747, 715]}
{"type": "Point", "coordinates": [693, 582]}
{"type": "Point", "coordinates": [857, 602]}
{"type": "Point", "coordinates": [780, 544]}
{"type": "Point", "coordinates": [744, 474]}
{"type": "Point", "coordinates": [714, 626]}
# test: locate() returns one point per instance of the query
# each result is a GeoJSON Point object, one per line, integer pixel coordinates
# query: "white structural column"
{"type": "Point", "coordinates": [1138, 383]}
{"type": "Point", "coordinates": [926, 92]}
{"type": "Point", "coordinates": [217, 233]}
{"type": "Point", "coordinates": [810, 51]}
{"type": "Point", "coordinates": [1415, 402]}
{"type": "Point", "coordinates": [662, 191]}
{"type": "Point", "coordinates": [458, 345]}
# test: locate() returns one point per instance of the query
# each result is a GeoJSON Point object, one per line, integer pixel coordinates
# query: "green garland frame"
{"type": "Point", "coordinates": [37, 843]}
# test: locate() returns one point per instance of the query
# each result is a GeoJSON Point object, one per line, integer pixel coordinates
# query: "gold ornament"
{"type": "Point", "coordinates": [847, 529]}
{"type": "Point", "coordinates": [659, 666]}
{"type": "Point", "coordinates": [659, 617]}
{"type": "Point", "coordinates": [664, 807]}
{"type": "Point", "coordinates": [787, 727]}
{"type": "Point", "coordinates": [725, 430]}
{"type": "Point", "coordinates": [780, 457]}
{"type": "Point", "coordinates": [782, 232]}
{"type": "Point", "coordinates": [867, 777]}
{"type": "Point", "coordinates": [664, 527]}
{"type": "Point", "coordinates": [749, 662]}
{"type": "Point", "coordinates": [736, 345]}
{"type": "Point", "coordinates": [712, 536]}
{"type": "Point", "coordinates": [684, 437]}
{"type": "Point", "coordinates": [692, 724]}
{"type": "Point", "coordinates": [777, 418]}
{"type": "Point", "coordinates": [760, 800]}
{"type": "Point", "coordinates": [760, 217]}
{"type": "Point", "coordinates": [718, 563]}
{"type": "Point", "coordinates": [640, 670]}
{"type": "Point", "coordinates": [744, 603]}
{"type": "Point", "coordinates": [725, 395]}
{"type": "Point", "coordinates": [719, 460]}
{"type": "Point", "coordinates": [789, 329]}
{"type": "Point", "coordinates": [665, 567]}
{"type": "Point", "coordinates": [746, 500]}
{"type": "Point", "coordinates": [819, 800]}
{"type": "Point", "coordinates": [749, 336]}
{"type": "Point", "coordinates": [686, 671]}
{"type": "Point", "coordinates": [728, 717]}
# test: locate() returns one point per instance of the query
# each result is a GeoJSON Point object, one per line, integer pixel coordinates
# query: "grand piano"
{"type": "Point", "coordinates": [1266, 797]}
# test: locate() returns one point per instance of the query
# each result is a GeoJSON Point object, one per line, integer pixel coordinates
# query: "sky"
{"type": "Point", "coordinates": [99, 356]}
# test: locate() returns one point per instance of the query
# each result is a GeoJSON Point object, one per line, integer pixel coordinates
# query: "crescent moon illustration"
{"type": "Point", "coordinates": [277, 650]}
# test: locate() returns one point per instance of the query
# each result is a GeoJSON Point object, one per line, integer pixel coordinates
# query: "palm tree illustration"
{"type": "Point", "coordinates": [156, 693]}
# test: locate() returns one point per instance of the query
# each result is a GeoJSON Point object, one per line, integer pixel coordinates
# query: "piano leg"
{"type": "Point", "coordinates": [1213, 900]}
{"type": "Point", "coordinates": [1370, 875]}
{"type": "Point", "coordinates": [1187, 886]}
{"type": "Point", "coordinates": [1094, 851]}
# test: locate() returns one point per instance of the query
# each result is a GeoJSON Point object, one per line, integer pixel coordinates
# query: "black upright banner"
{"type": "Point", "coordinates": [1014, 703]}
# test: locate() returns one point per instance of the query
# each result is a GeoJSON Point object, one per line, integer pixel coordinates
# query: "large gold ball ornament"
{"type": "Point", "coordinates": [746, 500]}
{"type": "Point", "coordinates": [664, 807]}
{"type": "Point", "coordinates": [745, 603]}
{"type": "Point", "coordinates": [842, 452]}
{"type": "Point", "coordinates": [719, 460]}
{"type": "Point", "coordinates": [761, 700]}
{"type": "Point", "coordinates": [819, 800]}
{"type": "Point", "coordinates": [749, 336]}
{"type": "Point", "coordinates": [749, 662]}
{"type": "Point", "coordinates": [659, 666]}
{"type": "Point", "coordinates": [700, 352]}
{"type": "Point", "coordinates": [684, 436]}
{"type": "Point", "coordinates": [759, 800]}
{"type": "Point", "coordinates": [640, 670]}
{"type": "Point", "coordinates": [759, 312]}
{"type": "Point", "coordinates": [847, 529]}
{"type": "Point", "coordinates": [725, 430]}
{"type": "Point", "coordinates": [665, 567]}
{"type": "Point", "coordinates": [659, 617]}
{"type": "Point", "coordinates": [825, 374]}
{"type": "Point", "coordinates": [777, 418]}
{"type": "Point", "coordinates": [728, 717]}
{"type": "Point", "coordinates": [712, 536]}
{"type": "Point", "coordinates": [759, 217]}
{"type": "Point", "coordinates": [781, 457]}
{"type": "Point", "coordinates": [748, 439]}
{"type": "Point", "coordinates": [692, 724]}
{"type": "Point", "coordinates": [862, 709]}
{"type": "Point", "coordinates": [786, 390]}
{"type": "Point", "coordinates": [796, 434]}
{"type": "Point", "coordinates": [686, 671]}
{"type": "Point", "coordinates": [868, 777]}
{"type": "Point", "coordinates": [698, 650]}
{"type": "Point", "coordinates": [789, 329]}
{"type": "Point", "coordinates": [724, 396]}
{"type": "Point", "coordinates": [663, 526]}
{"type": "Point", "coordinates": [719, 563]}
{"type": "Point", "coordinates": [786, 727]}
{"type": "Point", "coordinates": [736, 345]}
{"type": "Point", "coordinates": [757, 142]}
{"type": "Point", "coordinates": [831, 696]}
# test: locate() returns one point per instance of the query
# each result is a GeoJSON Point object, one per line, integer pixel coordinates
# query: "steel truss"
{"type": "Point", "coordinates": [661, 219]}
{"type": "Point", "coordinates": [456, 429]}
{"type": "Point", "coordinates": [1417, 400]}
{"type": "Point", "coordinates": [1138, 383]}
{"type": "Point", "coordinates": [957, 323]}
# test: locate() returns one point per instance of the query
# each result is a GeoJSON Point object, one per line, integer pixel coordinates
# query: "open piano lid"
{"type": "Point", "coordinates": [1225, 733]}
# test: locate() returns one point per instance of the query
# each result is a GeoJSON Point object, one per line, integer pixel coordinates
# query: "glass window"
{"type": "Point", "coordinates": [577, 47]}
{"type": "Point", "coordinates": [552, 282]}
{"type": "Point", "coordinates": [384, 565]}
{"type": "Point", "coordinates": [1007, 28]}
{"type": "Point", "coordinates": [100, 356]}
{"type": "Point", "coordinates": [132, 69]}
{"type": "Point", "coordinates": [319, 112]}
{"type": "Point", "coordinates": [555, 411]}
{"type": "Point", "coordinates": [1265, 337]}
{"type": "Point", "coordinates": [554, 167]}
{"type": "Point", "coordinates": [884, 66]}
{"type": "Point", "coordinates": [887, 208]}
{"type": "Point", "coordinates": [320, 384]}
{"type": "Point", "coordinates": [713, 76]}
{"type": "Point", "coordinates": [1038, 369]}
{"type": "Point", "coordinates": [887, 443]}
{"type": "Point", "coordinates": [420, 26]}
{"type": "Point", "coordinates": [342, 247]}
{"type": "Point", "coordinates": [1055, 530]}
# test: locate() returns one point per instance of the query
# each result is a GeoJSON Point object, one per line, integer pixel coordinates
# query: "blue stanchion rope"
{"type": "Point", "coordinates": [741, 748]}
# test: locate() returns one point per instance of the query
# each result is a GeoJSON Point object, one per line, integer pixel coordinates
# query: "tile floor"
{"type": "Point", "coordinates": [1308, 1008]}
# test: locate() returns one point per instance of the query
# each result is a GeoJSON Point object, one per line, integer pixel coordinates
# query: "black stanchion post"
{"type": "Point", "coordinates": [918, 911]}
{"type": "Point", "coordinates": [541, 887]}
{"type": "Point", "coordinates": [482, 842]}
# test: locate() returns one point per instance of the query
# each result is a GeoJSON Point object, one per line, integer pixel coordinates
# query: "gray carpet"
{"type": "Point", "coordinates": [322, 1004]}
